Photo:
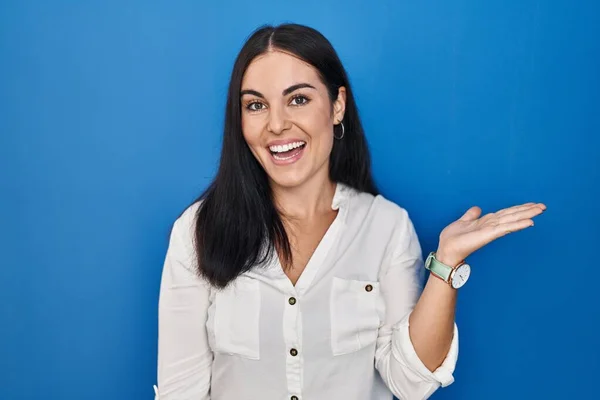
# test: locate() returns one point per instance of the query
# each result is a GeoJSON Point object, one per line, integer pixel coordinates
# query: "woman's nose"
{"type": "Point", "coordinates": [278, 120]}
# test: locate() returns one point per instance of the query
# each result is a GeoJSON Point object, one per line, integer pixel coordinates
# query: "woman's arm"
{"type": "Point", "coordinates": [432, 320]}
{"type": "Point", "coordinates": [396, 359]}
{"type": "Point", "coordinates": [184, 356]}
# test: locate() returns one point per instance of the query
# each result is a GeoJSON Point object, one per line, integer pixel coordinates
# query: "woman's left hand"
{"type": "Point", "coordinates": [470, 233]}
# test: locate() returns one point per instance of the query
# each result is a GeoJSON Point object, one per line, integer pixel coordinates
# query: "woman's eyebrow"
{"type": "Point", "coordinates": [284, 93]}
{"type": "Point", "coordinates": [252, 92]}
{"type": "Point", "coordinates": [296, 87]}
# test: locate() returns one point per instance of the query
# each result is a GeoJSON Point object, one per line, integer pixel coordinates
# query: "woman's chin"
{"type": "Point", "coordinates": [293, 177]}
{"type": "Point", "coordinates": [287, 180]}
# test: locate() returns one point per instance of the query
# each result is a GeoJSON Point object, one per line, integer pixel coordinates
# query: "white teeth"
{"type": "Point", "coordinates": [285, 147]}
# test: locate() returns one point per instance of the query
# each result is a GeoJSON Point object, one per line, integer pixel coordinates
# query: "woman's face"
{"type": "Point", "coordinates": [288, 118]}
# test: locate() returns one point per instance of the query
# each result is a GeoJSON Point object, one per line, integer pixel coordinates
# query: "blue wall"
{"type": "Point", "coordinates": [110, 124]}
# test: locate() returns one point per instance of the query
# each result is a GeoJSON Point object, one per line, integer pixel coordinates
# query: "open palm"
{"type": "Point", "coordinates": [471, 232]}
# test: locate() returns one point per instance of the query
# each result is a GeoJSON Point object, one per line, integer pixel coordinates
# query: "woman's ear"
{"type": "Point", "coordinates": [339, 106]}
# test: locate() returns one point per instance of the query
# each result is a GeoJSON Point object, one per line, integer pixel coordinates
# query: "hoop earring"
{"type": "Point", "coordinates": [343, 132]}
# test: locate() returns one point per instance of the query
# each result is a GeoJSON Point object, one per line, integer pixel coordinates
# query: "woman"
{"type": "Point", "coordinates": [290, 277]}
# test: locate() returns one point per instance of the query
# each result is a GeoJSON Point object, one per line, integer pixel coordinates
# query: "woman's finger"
{"type": "Point", "coordinates": [472, 214]}
{"type": "Point", "coordinates": [526, 213]}
{"type": "Point", "coordinates": [513, 209]}
{"type": "Point", "coordinates": [510, 227]}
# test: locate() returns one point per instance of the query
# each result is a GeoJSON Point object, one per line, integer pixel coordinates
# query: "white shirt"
{"type": "Point", "coordinates": [341, 333]}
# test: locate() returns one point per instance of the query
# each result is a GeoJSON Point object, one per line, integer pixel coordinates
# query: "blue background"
{"type": "Point", "coordinates": [110, 124]}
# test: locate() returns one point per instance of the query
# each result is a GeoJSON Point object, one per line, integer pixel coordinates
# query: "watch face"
{"type": "Point", "coordinates": [461, 275]}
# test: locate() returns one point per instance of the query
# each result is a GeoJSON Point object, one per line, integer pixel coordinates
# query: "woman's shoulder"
{"type": "Point", "coordinates": [381, 205]}
{"type": "Point", "coordinates": [185, 224]}
{"type": "Point", "coordinates": [391, 207]}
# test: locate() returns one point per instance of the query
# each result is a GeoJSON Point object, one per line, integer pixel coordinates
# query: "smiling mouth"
{"type": "Point", "coordinates": [287, 154]}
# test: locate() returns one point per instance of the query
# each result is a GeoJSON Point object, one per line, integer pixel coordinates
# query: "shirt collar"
{"type": "Point", "coordinates": [341, 199]}
{"type": "Point", "coordinates": [341, 196]}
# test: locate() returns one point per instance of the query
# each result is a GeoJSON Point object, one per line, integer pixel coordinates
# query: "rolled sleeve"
{"type": "Point", "coordinates": [402, 279]}
{"type": "Point", "coordinates": [404, 352]}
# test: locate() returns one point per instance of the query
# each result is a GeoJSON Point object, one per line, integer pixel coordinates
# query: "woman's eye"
{"type": "Point", "coordinates": [299, 100]}
{"type": "Point", "coordinates": [255, 106]}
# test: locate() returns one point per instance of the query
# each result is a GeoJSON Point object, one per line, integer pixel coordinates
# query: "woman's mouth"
{"type": "Point", "coordinates": [287, 153]}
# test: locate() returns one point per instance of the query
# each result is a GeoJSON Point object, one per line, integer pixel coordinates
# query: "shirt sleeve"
{"type": "Point", "coordinates": [395, 357]}
{"type": "Point", "coordinates": [184, 356]}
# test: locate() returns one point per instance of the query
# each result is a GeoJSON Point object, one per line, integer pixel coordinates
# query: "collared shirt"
{"type": "Point", "coordinates": [340, 333]}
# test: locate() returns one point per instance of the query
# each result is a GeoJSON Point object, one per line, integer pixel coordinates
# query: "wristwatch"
{"type": "Point", "coordinates": [455, 276]}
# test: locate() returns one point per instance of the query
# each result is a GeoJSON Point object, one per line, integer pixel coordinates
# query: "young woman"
{"type": "Point", "coordinates": [290, 277]}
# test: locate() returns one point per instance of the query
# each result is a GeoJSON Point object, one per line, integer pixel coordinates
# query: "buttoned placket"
{"type": "Point", "coordinates": [292, 316]}
{"type": "Point", "coordinates": [292, 336]}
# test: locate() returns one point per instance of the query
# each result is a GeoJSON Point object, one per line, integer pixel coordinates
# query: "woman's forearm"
{"type": "Point", "coordinates": [431, 323]}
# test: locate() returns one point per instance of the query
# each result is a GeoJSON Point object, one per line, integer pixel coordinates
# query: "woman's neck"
{"type": "Point", "coordinates": [305, 201]}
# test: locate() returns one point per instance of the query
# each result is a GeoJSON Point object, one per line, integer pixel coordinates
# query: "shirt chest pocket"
{"type": "Point", "coordinates": [236, 318]}
{"type": "Point", "coordinates": [354, 315]}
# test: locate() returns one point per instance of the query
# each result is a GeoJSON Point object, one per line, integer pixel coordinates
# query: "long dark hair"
{"type": "Point", "coordinates": [237, 219]}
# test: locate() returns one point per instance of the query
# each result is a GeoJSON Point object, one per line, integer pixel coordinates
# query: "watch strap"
{"type": "Point", "coordinates": [437, 268]}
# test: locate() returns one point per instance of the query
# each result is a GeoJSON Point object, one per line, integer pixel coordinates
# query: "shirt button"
{"type": "Point", "coordinates": [292, 300]}
{"type": "Point", "coordinates": [294, 352]}
{"type": "Point", "coordinates": [294, 398]}
{"type": "Point", "coordinates": [368, 288]}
